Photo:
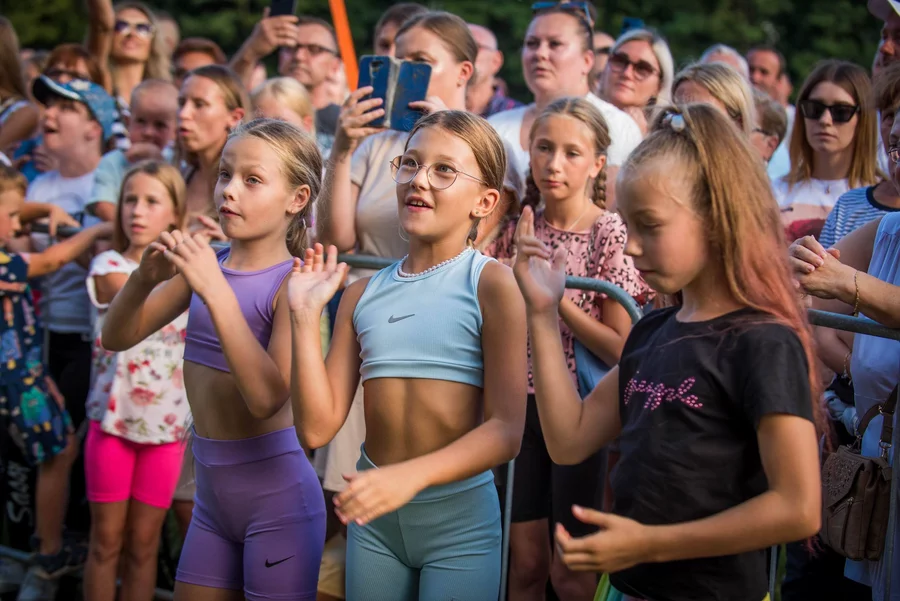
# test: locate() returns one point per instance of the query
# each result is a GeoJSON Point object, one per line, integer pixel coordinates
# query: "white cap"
{"type": "Point", "coordinates": [884, 9]}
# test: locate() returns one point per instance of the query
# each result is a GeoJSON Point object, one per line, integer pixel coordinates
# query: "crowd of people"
{"type": "Point", "coordinates": [179, 338]}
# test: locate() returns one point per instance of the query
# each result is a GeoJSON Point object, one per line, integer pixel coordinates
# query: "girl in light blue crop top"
{"type": "Point", "coordinates": [259, 518]}
{"type": "Point", "coordinates": [438, 341]}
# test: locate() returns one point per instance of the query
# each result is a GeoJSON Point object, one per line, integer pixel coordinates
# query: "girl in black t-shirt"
{"type": "Point", "coordinates": [711, 402]}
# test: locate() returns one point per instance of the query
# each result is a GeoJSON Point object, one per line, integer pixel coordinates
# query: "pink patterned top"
{"type": "Point", "coordinates": [598, 253]}
{"type": "Point", "coordinates": [137, 394]}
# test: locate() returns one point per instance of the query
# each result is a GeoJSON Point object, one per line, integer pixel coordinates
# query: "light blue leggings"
{"type": "Point", "coordinates": [444, 545]}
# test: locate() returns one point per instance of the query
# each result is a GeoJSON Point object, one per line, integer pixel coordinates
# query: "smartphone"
{"type": "Point", "coordinates": [412, 86]}
{"type": "Point", "coordinates": [397, 83]}
{"type": "Point", "coordinates": [375, 71]}
{"type": "Point", "coordinates": [282, 7]}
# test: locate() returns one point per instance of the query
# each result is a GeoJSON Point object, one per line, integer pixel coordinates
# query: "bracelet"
{"type": "Point", "coordinates": [856, 298]}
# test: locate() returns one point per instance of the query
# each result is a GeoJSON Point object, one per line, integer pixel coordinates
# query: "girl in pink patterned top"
{"type": "Point", "coordinates": [137, 406]}
{"type": "Point", "coordinates": [568, 145]}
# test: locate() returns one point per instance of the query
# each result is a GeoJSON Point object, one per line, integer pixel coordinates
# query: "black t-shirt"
{"type": "Point", "coordinates": [691, 396]}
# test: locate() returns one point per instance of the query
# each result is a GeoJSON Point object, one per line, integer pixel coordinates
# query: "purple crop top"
{"type": "Point", "coordinates": [255, 291]}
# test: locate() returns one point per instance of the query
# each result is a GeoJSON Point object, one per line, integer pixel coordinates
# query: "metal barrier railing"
{"type": "Point", "coordinates": [837, 321]}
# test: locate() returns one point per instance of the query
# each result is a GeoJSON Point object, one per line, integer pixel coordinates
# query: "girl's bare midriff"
{"type": "Point", "coordinates": [219, 411]}
{"type": "Point", "coordinates": [409, 418]}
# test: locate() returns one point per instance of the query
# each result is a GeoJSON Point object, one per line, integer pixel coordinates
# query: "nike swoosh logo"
{"type": "Point", "coordinates": [275, 563]}
{"type": "Point", "coordinates": [393, 319]}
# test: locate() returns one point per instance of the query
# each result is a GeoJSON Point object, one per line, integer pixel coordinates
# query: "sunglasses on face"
{"type": "Point", "coordinates": [840, 113]}
{"type": "Point", "coordinates": [142, 29]}
{"type": "Point", "coordinates": [619, 63]}
{"type": "Point", "coordinates": [581, 8]}
{"type": "Point", "coordinates": [603, 51]}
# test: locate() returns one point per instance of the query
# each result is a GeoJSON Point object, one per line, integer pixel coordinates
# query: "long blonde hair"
{"type": "Point", "coordinates": [731, 192]}
{"type": "Point", "coordinates": [12, 82]}
{"type": "Point", "coordinates": [592, 118]}
{"type": "Point", "coordinates": [170, 178]}
{"type": "Point", "coordinates": [301, 165]}
{"type": "Point", "coordinates": [481, 137]}
{"type": "Point", "coordinates": [727, 86]}
{"type": "Point", "coordinates": [864, 164]}
{"type": "Point", "coordinates": [158, 65]}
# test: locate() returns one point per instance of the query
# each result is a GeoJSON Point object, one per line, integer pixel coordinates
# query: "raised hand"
{"type": "Point", "coordinates": [196, 260]}
{"type": "Point", "coordinates": [315, 280]}
{"type": "Point", "coordinates": [353, 123]}
{"type": "Point", "coordinates": [539, 272]}
{"type": "Point", "coordinates": [272, 32]}
{"type": "Point", "coordinates": [154, 267]}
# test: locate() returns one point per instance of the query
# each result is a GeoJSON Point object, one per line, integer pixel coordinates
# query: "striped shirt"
{"type": "Point", "coordinates": [853, 210]}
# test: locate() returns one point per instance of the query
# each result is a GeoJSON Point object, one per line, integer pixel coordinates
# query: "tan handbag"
{"type": "Point", "coordinates": [856, 491]}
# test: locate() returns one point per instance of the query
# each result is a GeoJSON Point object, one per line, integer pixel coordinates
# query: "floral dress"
{"type": "Point", "coordinates": [137, 394]}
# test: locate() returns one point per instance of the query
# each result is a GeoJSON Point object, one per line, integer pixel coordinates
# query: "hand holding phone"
{"type": "Point", "coordinates": [279, 8]}
{"type": "Point", "coordinates": [398, 84]}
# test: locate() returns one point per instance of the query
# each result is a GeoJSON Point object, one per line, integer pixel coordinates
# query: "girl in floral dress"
{"type": "Point", "coordinates": [137, 406]}
{"type": "Point", "coordinates": [568, 148]}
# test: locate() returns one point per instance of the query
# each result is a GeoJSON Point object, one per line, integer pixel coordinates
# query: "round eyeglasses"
{"type": "Point", "coordinates": [440, 175]}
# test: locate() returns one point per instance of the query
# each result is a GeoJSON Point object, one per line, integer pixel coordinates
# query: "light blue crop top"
{"type": "Point", "coordinates": [427, 327]}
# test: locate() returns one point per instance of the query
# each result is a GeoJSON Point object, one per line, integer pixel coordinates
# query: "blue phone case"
{"type": "Point", "coordinates": [397, 83]}
{"type": "Point", "coordinates": [375, 71]}
{"type": "Point", "coordinates": [412, 86]}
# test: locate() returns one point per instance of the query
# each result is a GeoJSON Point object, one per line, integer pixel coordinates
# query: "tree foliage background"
{"type": "Point", "coordinates": [806, 31]}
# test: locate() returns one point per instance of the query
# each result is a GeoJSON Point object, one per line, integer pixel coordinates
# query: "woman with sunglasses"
{"type": "Point", "coordinates": [557, 59]}
{"type": "Point", "coordinates": [833, 146]}
{"type": "Point", "coordinates": [124, 41]}
{"type": "Point", "coordinates": [638, 74]}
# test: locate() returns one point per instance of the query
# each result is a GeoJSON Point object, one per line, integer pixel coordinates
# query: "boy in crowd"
{"type": "Point", "coordinates": [151, 130]}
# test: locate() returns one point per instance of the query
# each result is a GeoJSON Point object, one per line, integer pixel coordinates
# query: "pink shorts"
{"type": "Point", "coordinates": [117, 469]}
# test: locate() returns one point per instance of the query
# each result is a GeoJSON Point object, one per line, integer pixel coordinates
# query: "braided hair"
{"type": "Point", "coordinates": [590, 116]}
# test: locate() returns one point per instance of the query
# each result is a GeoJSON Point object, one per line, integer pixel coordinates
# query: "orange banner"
{"type": "Point", "coordinates": [345, 41]}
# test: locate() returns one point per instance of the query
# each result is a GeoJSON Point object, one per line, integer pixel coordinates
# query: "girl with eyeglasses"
{"type": "Point", "coordinates": [557, 58]}
{"type": "Point", "coordinates": [359, 200]}
{"type": "Point", "coordinates": [638, 74]}
{"type": "Point", "coordinates": [833, 146]}
{"type": "Point", "coordinates": [438, 341]}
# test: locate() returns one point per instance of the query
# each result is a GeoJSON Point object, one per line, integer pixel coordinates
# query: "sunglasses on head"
{"type": "Point", "coordinates": [619, 63]}
{"type": "Point", "coordinates": [57, 73]}
{"type": "Point", "coordinates": [581, 8]}
{"type": "Point", "coordinates": [840, 113]}
{"type": "Point", "coordinates": [143, 29]}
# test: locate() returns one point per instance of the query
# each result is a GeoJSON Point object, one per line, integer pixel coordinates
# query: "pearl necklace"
{"type": "Point", "coordinates": [403, 274]}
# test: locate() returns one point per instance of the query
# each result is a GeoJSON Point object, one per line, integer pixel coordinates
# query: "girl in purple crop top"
{"type": "Point", "coordinates": [259, 516]}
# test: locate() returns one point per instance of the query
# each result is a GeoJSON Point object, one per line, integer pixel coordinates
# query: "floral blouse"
{"type": "Point", "coordinates": [598, 253]}
{"type": "Point", "coordinates": [137, 394]}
